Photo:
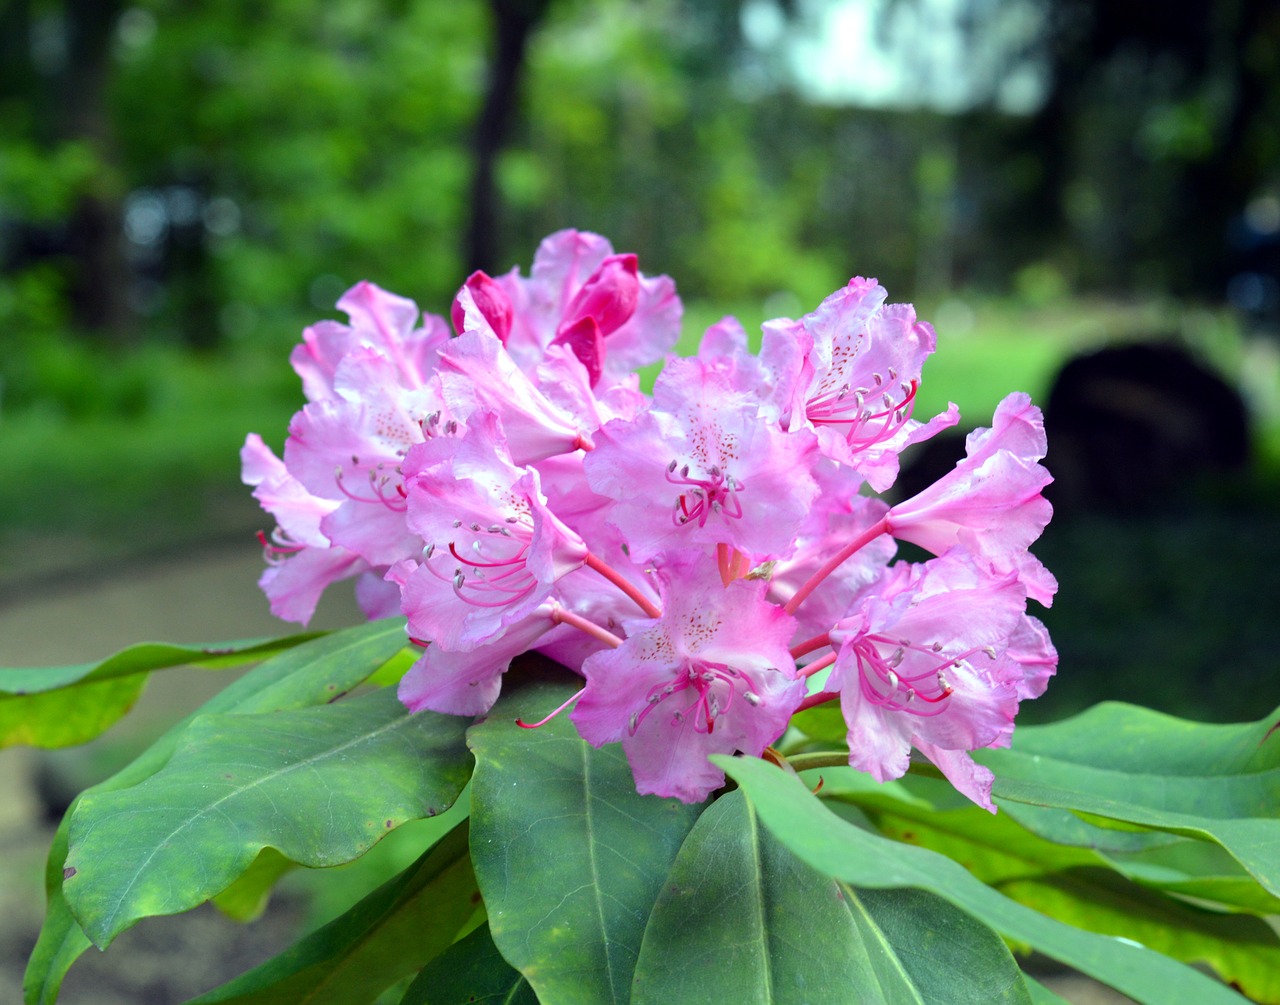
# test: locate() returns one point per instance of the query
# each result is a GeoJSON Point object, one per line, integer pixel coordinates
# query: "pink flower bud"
{"type": "Point", "coordinates": [587, 342]}
{"type": "Point", "coordinates": [609, 296]}
{"type": "Point", "coordinates": [489, 299]}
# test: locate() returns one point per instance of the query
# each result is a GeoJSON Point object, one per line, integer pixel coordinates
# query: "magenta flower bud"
{"type": "Point", "coordinates": [587, 342]}
{"type": "Point", "coordinates": [609, 296]}
{"type": "Point", "coordinates": [489, 299]}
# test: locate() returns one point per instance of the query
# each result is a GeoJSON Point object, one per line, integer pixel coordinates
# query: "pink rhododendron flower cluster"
{"type": "Point", "coordinates": [710, 559]}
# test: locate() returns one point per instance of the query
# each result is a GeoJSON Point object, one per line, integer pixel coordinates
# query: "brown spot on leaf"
{"type": "Point", "coordinates": [68, 872]}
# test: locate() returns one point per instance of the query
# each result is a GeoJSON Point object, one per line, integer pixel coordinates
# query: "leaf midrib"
{"type": "Point", "coordinates": [109, 918]}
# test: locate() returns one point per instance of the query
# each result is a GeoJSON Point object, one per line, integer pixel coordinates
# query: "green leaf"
{"type": "Point", "coordinates": [1041, 995]}
{"type": "Point", "coordinates": [1196, 869]}
{"type": "Point", "coordinates": [1139, 767]}
{"type": "Point", "coordinates": [389, 934]}
{"type": "Point", "coordinates": [842, 850]}
{"type": "Point", "coordinates": [742, 919]}
{"type": "Point", "coordinates": [320, 785]}
{"type": "Point", "coordinates": [61, 941]}
{"type": "Point", "coordinates": [313, 673]}
{"type": "Point", "coordinates": [1077, 886]}
{"type": "Point", "coordinates": [569, 857]}
{"type": "Point", "coordinates": [329, 893]}
{"type": "Point", "coordinates": [470, 972]}
{"type": "Point", "coordinates": [246, 898]}
{"type": "Point", "coordinates": [1242, 949]}
{"type": "Point", "coordinates": [63, 706]}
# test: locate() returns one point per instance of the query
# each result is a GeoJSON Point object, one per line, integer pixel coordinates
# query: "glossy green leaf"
{"type": "Point", "coordinates": [470, 972]}
{"type": "Point", "coordinates": [741, 919]}
{"type": "Point", "coordinates": [844, 851]}
{"type": "Point", "coordinates": [313, 673]}
{"type": "Point", "coordinates": [1138, 767]}
{"type": "Point", "coordinates": [389, 934]}
{"type": "Point", "coordinates": [63, 706]}
{"type": "Point", "coordinates": [1075, 885]}
{"type": "Point", "coordinates": [568, 856]}
{"type": "Point", "coordinates": [320, 785]}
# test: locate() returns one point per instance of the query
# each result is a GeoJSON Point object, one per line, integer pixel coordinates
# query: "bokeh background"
{"type": "Point", "coordinates": [186, 184]}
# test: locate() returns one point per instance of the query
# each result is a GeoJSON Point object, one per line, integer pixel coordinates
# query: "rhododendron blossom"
{"type": "Point", "coordinates": [706, 557]}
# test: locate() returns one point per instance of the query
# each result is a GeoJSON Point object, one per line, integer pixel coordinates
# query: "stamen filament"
{"type": "Point", "coordinates": [547, 718]}
{"type": "Point", "coordinates": [512, 595]}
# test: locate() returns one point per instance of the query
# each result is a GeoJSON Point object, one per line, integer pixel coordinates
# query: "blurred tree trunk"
{"type": "Point", "coordinates": [1204, 63]}
{"type": "Point", "coordinates": [100, 287]}
{"type": "Point", "coordinates": [513, 23]}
